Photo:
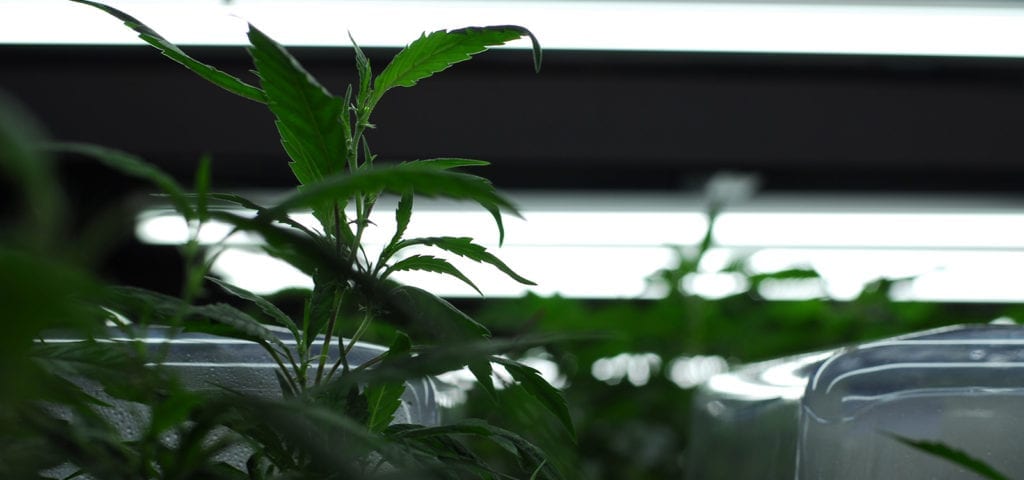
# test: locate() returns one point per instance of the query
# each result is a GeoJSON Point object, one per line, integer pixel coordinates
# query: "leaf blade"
{"type": "Point", "coordinates": [465, 247]}
{"type": "Point", "coordinates": [172, 51]}
{"type": "Point", "coordinates": [412, 307]}
{"type": "Point", "coordinates": [543, 391]}
{"type": "Point", "coordinates": [384, 400]}
{"type": "Point", "coordinates": [951, 454]}
{"type": "Point", "coordinates": [428, 263]}
{"type": "Point", "coordinates": [308, 117]}
{"type": "Point", "coordinates": [264, 305]}
{"type": "Point", "coordinates": [399, 179]}
{"type": "Point", "coordinates": [436, 51]}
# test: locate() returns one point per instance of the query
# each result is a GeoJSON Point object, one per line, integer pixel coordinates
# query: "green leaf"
{"type": "Point", "coordinates": [329, 440]}
{"type": "Point", "coordinates": [428, 263]}
{"type": "Point", "coordinates": [958, 457]}
{"type": "Point", "coordinates": [145, 306]}
{"type": "Point", "coordinates": [202, 187]}
{"type": "Point", "coordinates": [264, 305]}
{"type": "Point", "coordinates": [539, 469]}
{"type": "Point", "coordinates": [384, 400]}
{"type": "Point", "coordinates": [133, 166]}
{"type": "Point", "coordinates": [400, 346]}
{"type": "Point", "coordinates": [213, 75]}
{"type": "Point", "coordinates": [435, 52]}
{"type": "Point", "coordinates": [529, 455]}
{"type": "Point", "coordinates": [464, 247]}
{"type": "Point", "coordinates": [482, 371]}
{"type": "Point", "coordinates": [308, 117]}
{"type": "Point", "coordinates": [116, 366]}
{"type": "Point", "coordinates": [365, 73]}
{"type": "Point", "coordinates": [141, 304]}
{"type": "Point", "coordinates": [450, 355]}
{"type": "Point", "coordinates": [398, 179]}
{"type": "Point", "coordinates": [287, 390]}
{"type": "Point", "coordinates": [414, 308]}
{"type": "Point", "coordinates": [322, 305]}
{"type": "Point", "coordinates": [546, 394]}
{"type": "Point", "coordinates": [447, 163]}
{"type": "Point", "coordinates": [403, 214]}
{"type": "Point", "coordinates": [261, 210]}
{"type": "Point", "coordinates": [302, 251]}
{"type": "Point", "coordinates": [238, 320]}
{"type": "Point", "coordinates": [454, 456]}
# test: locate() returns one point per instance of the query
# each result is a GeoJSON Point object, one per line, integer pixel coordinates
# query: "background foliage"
{"type": "Point", "coordinates": [643, 432]}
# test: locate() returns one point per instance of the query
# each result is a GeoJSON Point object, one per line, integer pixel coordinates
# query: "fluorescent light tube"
{"type": "Point", "coordinates": [606, 246]}
{"type": "Point", "coordinates": [776, 27]}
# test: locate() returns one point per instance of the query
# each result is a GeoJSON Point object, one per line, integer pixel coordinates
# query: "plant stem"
{"type": "Point", "coordinates": [359, 332]}
{"type": "Point", "coordinates": [282, 368]}
{"type": "Point", "coordinates": [371, 362]}
{"type": "Point", "coordinates": [344, 350]}
{"type": "Point", "coordinates": [327, 340]}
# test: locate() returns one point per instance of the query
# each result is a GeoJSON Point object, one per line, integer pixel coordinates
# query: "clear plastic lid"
{"type": "Point", "coordinates": [961, 386]}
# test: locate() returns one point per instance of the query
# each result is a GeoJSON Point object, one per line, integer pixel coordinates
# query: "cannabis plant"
{"type": "Point", "coordinates": [333, 419]}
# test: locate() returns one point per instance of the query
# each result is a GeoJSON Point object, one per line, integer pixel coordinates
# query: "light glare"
{"type": "Point", "coordinates": [938, 29]}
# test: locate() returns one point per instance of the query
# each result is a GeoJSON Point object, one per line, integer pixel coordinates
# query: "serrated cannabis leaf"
{"type": "Point", "coordinates": [529, 455]}
{"type": "Point", "coordinates": [308, 117]}
{"type": "Point", "coordinates": [958, 457]}
{"type": "Point", "coordinates": [447, 163]}
{"type": "Point", "coordinates": [399, 179]}
{"type": "Point", "coordinates": [429, 263]}
{"type": "Point", "coordinates": [334, 425]}
{"type": "Point", "coordinates": [403, 214]}
{"type": "Point", "coordinates": [436, 51]}
{"type": "Point", "coordinates": [435, 315]}
{"type": "Point", "coordinates": [145, 305]}
{"type": "Point", "coordinates": [323, 305]}
{"type": "Point", "coordinates": [264, 305]}
{"type": "Point", "coordinates": [227, 315]}
{"type": "Point", "coordinates": [383, 401]}
{"type": "Point", "coordinates": [543, 391]}
{"type": "Point", "coordinates": [172, 51]}
{"type": "Point", "coordinates": [261, 210]}
{"type": "Point", "coordinates": [464, 247]}
{"type": "Point", "coordinates": [482, 371]}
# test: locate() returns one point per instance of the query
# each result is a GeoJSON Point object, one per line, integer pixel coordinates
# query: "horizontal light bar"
{"type": "Point", "coordinates": [606, 246]}
{"type": "Point", "coordinates": [949, 29]}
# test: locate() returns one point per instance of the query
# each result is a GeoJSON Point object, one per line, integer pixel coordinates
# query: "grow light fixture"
{"type": "Point", "coordinates": [607, 246]}
{"type": "Point", "coordinates": [852, 27]}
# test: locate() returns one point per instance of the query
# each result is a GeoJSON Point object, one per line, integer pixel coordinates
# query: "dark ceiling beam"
{"type": "Point", "coordinates": [588, 120]}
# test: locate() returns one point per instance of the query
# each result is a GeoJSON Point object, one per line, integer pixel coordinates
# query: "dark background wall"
{"type": "Point", "coordinates": [609, 120]}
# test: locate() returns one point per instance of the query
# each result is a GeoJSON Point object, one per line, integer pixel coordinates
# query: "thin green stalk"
{"type": "Point", "coordinates": [371, 362]}
{"type": "Point", "coordinates": [363, 326]}
{"type": "Point", "coordinates": [327, 341]}
{"type": "Point", "coordinates": [280, 365]}
{"type": "Point", "coordinates": [337, 229]}
{"type": "Point", "coordinates": [193, 274]}
{"type": "Point", "coordinates": [291, 361]}
{"type": "Point", "coordinates": [361, 220]}
{"type": "Point", "coordinates": [345, 349]}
